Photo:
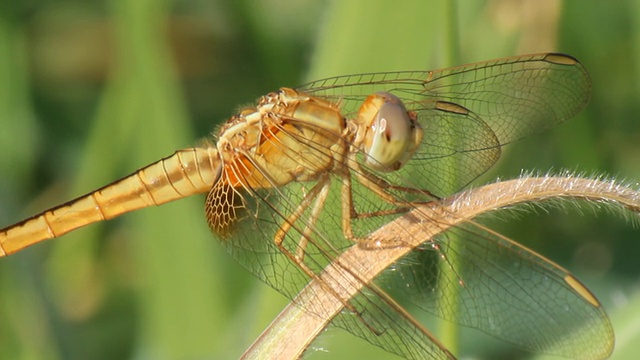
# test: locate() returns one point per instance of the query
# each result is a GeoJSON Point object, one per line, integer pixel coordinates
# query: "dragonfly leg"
{"type": "Point", "coordinates": [379, 187]}
{"type": "Point", "coordinates": [313, 201]}
{"type": "Point", "coordinates": [313, 217]}
{"type": "Point", "coordinates": [316, 197]}
{"type": "Point", "coordinates": [319, 192]}
{"type": "Point", "coordinates": [349, 213]}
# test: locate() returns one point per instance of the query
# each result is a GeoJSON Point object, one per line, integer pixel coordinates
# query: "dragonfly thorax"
{"type": "Point", "coordinates": [388, 132]}
{"type": "Point", "coordinates": [289, 136]}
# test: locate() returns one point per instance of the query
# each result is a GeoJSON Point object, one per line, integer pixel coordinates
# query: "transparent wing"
{"type": "Point", "coordinates": [469, 276]}
{"type": "Point", "coordinates": [512, 97]}
{"type": "Point", "coordinates": [368, 315]}
{"type": "Point", "coordinates": [506, 291]}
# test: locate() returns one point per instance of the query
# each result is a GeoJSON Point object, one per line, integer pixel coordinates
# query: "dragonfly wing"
{"type": "Point", "coordinates": [457, 147]}
{"type": "Point", "coordinates": [370, 315]}
{"type": "Point", "coordinates": [505, 290]}
{"type": "Point", "coordinates": [517, 96]}
{"type": "Point", "coordinates": [497, 102]}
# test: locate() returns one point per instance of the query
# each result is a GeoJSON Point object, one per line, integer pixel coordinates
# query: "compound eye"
{"type": "Point", "coordinates": [392, 135]}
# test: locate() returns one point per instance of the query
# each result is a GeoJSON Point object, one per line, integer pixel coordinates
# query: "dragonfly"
{"type": "Point", "coordinates": [311, 171]}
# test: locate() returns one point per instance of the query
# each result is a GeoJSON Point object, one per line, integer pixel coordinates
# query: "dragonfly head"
{"type": "Point", "coordinates": [391, 133]}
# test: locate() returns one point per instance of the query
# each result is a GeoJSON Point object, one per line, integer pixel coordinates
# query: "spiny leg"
{"type": "Point", "coordinates": [319, 192]}
{"type": "Point", "coordinates": [316, 210]}
{"type": "Point", "coordinates": [319, 188]}
{"type": "Point", "coordinates": [348, 213]}
{"type": "Point", "coordinates": [378, 186]}
{"type": "Point", "coordinates": [315, 200]}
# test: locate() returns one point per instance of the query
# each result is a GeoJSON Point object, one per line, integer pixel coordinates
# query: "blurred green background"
{"type": "Point", "coordinates": [92, 90]}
